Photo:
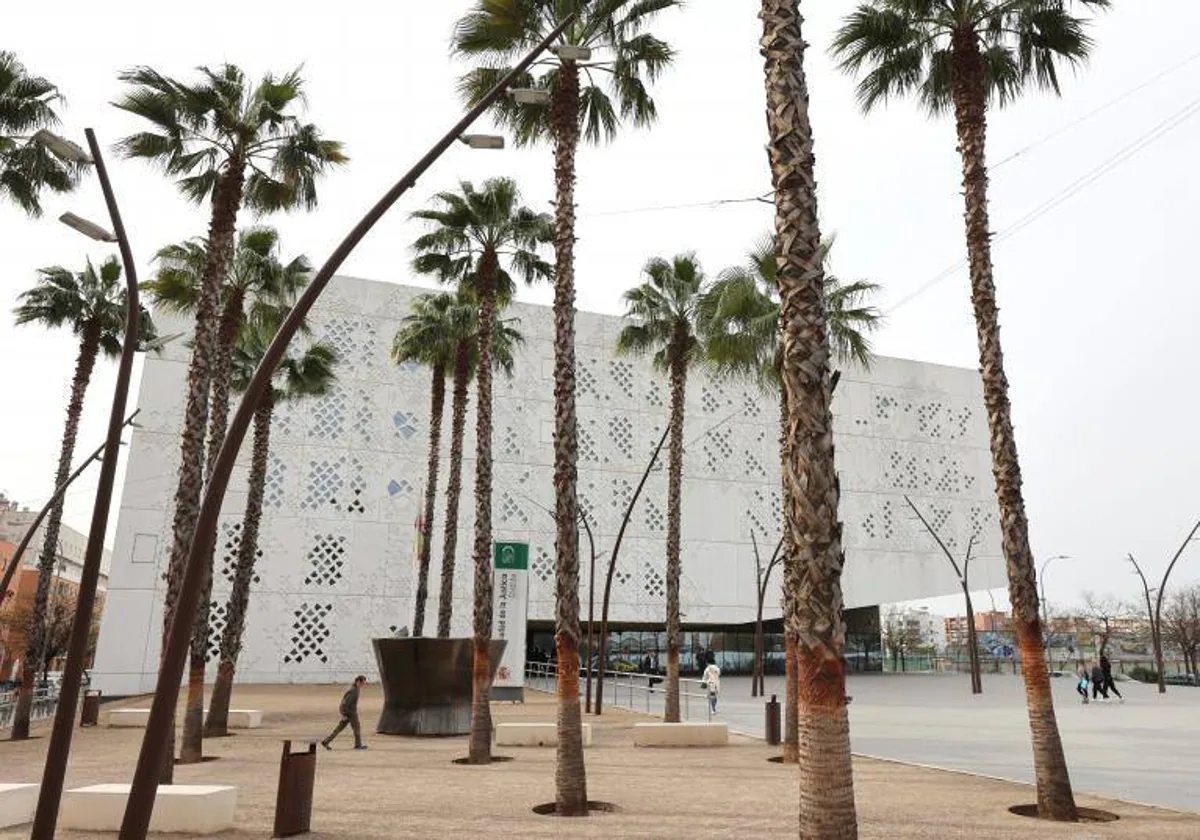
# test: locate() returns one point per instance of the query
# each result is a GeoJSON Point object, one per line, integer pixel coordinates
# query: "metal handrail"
{"type": "Point", "coordinates": [623, 683]}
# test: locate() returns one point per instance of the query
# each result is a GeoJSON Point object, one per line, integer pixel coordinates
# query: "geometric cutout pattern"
{"type": "Point", "coordinates": [543, 565]}
{"type": "Point", "coordinates": [273, 489]}
{"type": "Point", "coordinates": [353, 338]}
{"type": "Point", "coordinates": [364, 416]}
{"type": "Point", "coordinates": [718, 448]}
{"type": "Point", "coordinates": [401, 486]}
{"type": "Point", "coordinates": [586, 384]}
{"type": "Point", "coordinates": [881, 525]}
{"type": "Point", "coordinates": [232, 544]}
{"type": "Point", "coordinates": [326, 484]}
{"type": "Point", "coordinates": [622, 374]}
{"type": "Point", "coordinates": [655, 519]}
{"type": "Point", "coordinates": [328, 417]}
{"type": "Point", "coordinates": [654, 582]}
{"type": "Point", "coordinates": [620, 430]}
{"type": "Point", "coordinates": [216, 626]}
{"type": "Point", "coordinates": [933, 417]}
{"type": "Point", "coordinates": [405, 423]}
{"type": "Point", "coordinates": [940, 474]}
{"type": "Point", "coordinates": [510, 511]}
{"type": "Point", "coordinates": [326, 558]}
{"type": "Point", "coordinates": [309, 633]}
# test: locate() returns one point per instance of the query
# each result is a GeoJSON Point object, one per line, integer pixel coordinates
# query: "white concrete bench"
{"type": "Point", "coordinates": [191, 809]}
{"type": "Point", "coordinates": [17, 803]}
{"type": "Point", "coordinates": [680, 734]}
{"type": "Point", "coordinates": [534, 735]}
{"type": "Point", "coordinates": [137, 718]}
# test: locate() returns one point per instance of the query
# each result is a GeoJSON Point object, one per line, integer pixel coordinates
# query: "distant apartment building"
{"type": "Point", "coordinates": [919, 627]}
{"type": "Point", "coordinates": [16, 604]}
{"type": "Point", "coordinates": [990, 621]}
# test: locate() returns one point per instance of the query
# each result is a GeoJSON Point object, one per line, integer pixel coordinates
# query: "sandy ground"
{"type": "Point", "coordinates": [403, 787]}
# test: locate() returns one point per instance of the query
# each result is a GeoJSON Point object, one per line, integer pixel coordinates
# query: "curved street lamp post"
{"type": "Point", "coordinates": [136, 822]}
{"type": "Point", "coordinates": [50, 794]}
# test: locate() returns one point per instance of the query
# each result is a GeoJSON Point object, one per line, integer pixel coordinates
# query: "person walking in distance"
{"type": "Point", "coordinates": [711, 681]}
{"type": "Point", "coordinates": [1081, 682]}
{"type": "Point", "coordinates": [349, 712]}
{"type": "Point", "coordinates": [1098, 687]}
{"type": "Point", "coordinates": [1109, 685]}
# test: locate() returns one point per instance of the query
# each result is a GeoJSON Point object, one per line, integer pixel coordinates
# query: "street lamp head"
{"type": "Point", "coordinates": [89, 229]}
{"type": "Point", "coordinates": [482, 141]}
{"type": "Point", "coordinates": [529, 96]}
{"type": "Point", "coordinates": [158, 344]}
{"type": "Point", "coordinates": [572, 52]}
{"type": "Point", "coordinates": [61, 147]}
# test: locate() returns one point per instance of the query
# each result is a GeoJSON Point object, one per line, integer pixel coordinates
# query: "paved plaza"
{"type": "Point", "coordinates": [409, 788]}
{"type": "Point", "coordinates": [1145, 750]}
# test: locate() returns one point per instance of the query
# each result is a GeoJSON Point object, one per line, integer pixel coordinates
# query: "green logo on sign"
{"type": "Point", "coordinates": [512, 555]}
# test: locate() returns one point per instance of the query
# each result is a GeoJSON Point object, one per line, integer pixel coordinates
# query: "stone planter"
{"type": "Point", "coordinates": [427, 684]}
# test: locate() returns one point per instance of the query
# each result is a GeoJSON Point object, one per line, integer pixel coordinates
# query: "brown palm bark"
{"type": "Point", "coordinates": [85, 363]}
{"type": "Point", "coordinates": [570, 774]}
{"type": "Point", "coordinates": [191, 749]}
{"type": "Point", "coordinates": [481, 679]}
{"type": "Point", "coordinates": [221, 230]}
{"type": "Point", "coordinates": [458, 425]}
{"type": "Point", "coordinates": [1055, 799]}
{"type": "Point", "coordinates": [811, 499]}
{"type": "Point", "coordinates": [217, 723]}
{"type": "Point", "coordinates": [678, 375]}
{"type": "Point", "coordinates": [791, 711]}
{"type": "Point", "coordinates": [437, 401]}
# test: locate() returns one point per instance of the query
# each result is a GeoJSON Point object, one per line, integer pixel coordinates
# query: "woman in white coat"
{"type": "Point", "coordinates": [711, 681]}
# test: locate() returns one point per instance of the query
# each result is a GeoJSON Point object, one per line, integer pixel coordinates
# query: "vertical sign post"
{"type": "Point", "coordinates": [510, 610]}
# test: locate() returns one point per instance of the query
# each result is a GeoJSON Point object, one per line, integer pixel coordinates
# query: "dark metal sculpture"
{"type": "Point", "coordinates": [427, 684]}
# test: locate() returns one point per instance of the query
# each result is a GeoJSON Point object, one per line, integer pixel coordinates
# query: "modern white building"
{"type": "Point", "coordinates": [337, 554]}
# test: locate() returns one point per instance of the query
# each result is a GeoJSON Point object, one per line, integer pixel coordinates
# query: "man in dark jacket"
{"type": "Point", "coordinates": [1109, 684]}
{"type": "Point", "coordinates": [349, 712]}
{"type": "Point", "coordinates": [1098, 686]}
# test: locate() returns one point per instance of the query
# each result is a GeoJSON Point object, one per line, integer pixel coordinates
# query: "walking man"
{"type": "Point", "coordinates": [1109, 685]}
{"type": "Point", "coordinates": [349, 712]}
{"type": "Point", "coordinates": [1098, 687]}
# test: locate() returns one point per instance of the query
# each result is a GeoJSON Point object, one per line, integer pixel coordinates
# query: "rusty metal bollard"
{"type": "Point", "coordinates": [89, 713]}
{"type": "Point", "coordinates": [293, 803]}
{"type": "Point", "coordinates": [772, 727]}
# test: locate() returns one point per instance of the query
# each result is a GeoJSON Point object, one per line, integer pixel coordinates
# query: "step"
{"type": "Point", "coordinates": [137, 718]}
{"type": "Point", "coordinates": [17, 803]}
{"type": "Point", "coordinates": [680, 734]}
{"type": "Point", "coordinates": [534, 735]}
{"type": "Point", "coordinates": [190, 809]}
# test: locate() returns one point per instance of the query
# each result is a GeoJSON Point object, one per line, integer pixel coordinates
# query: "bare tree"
{"type": "Point", "coordinates": [1181, 626]}
{"type": "Point", "coordinates": [1102, 613]}
{"type": "Point", "coordinates": [963, 581]}
{"type": "Point", "coordinates": [1154, 613]}
{"type": "Point", "coordinates": [758, 679]}
{"type": "Point", "coordinates": [901, 636]}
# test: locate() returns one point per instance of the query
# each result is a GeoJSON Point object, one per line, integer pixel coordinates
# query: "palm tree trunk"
{"type": "Point", "coordinates": [221, 230]}
{"type": "Point", "coordinates": [191, 750]}
{"type": "Point", "coordinates": [791, 709]}
{"type": "Point", "coordinates": [217, 724]}
{"type": "Point", "coordinates": [1055, 799]}
{"type": "Point", "coordinates": [674, 498]}
{"type": "Point", "coordinates": [811, 490]}
{"type": "Point", "coordinates": [570, 774]}
{"type": "Point", "coordinates": [481, 682]}
{"type": "Point", "coordinates": [437, 401]}
{"type": "Point", "coordinates": [458, 425]}
{"type": "Point", "coordinates": [85, 362]}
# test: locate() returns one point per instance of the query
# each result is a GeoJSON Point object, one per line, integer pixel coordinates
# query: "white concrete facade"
{"type": "Point", "coordinates": [337, 556]}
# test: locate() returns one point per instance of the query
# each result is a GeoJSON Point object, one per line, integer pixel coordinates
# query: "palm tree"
{"type": "Point", "coordinates": [466, 356]}
{"type": "Point", "coordinates": [429, 335]}
{"type": "Point", "coordinates": [232, 145]}
{"type": "Point", "coordinates": [663, 312]}
{"type": "Point", "coordinates": [621, 58]}
{"type": "Point", "coordinates": [473, 232]}
{"type": "Point", "coordinates": [256, 281]}
{"type": "Point", "coordinates": [92, 304]}
{"type": "Point", "coordinates": [27, 167]}
{"type": "Point", "coordinates": [810, 486]}
{"type": "Point", "coordinates": [965, 57]}
{"type": "Point", "coordinates": [740, 321]}
{"type": "Point", "coordinates": [299, 376]}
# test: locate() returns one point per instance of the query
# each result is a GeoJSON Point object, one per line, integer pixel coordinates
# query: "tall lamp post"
{"type": "Point", "coordinates": [60, 738]}
{"type": "Point", "coordinates": [1155, 614]}
{"type": "Point", "coordinates": [136, 822]}
{"type": "Point", "coordinates": [15, 563]}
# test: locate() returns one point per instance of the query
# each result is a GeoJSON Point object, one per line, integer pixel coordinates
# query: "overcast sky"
{"type": "Point", "coordinates": [1099, 293]}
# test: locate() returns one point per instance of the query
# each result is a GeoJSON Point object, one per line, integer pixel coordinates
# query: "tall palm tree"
{"type": "Point", "coordinates": [429, 335]}
{"type": "Point", "coordinates": [740, 321]}
{"type": "Point", "coordinates": [473, 233]}
{"type": "Point", "coordinates": [299, 376]}
{"type": "Point", "coordinates": [622, 58]}
{"type": "Point", "coordinates": [810, 486]}
{"type": "Point", "coordinates": [663, 315]}
{"type": "Point", "coordinates": [466, 356]}
{"type": "Point", "coordinates": [966, 56]}
{"type": "Point", "coordinates": [256, 282]}
{"type": "Point", "coordinates": [27, 104]}
{"type": "Point", "coordinates": [233, 145]}
{"type": "Point", "coordinates": [92, 304]}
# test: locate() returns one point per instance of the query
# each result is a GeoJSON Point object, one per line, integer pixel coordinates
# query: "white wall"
{"type": "Point", "coordinates": [347, 473]}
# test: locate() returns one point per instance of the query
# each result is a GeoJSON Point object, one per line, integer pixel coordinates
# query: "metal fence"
{"type": "Point", "coordinates": [633, 690]}
{"type": "Point", "coordinates": [45, 702]}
